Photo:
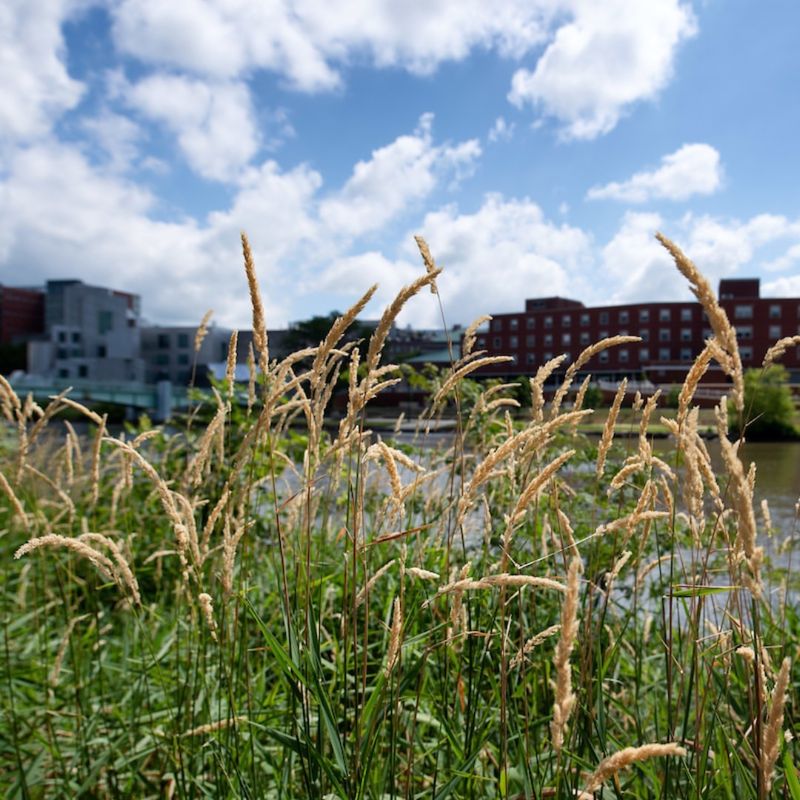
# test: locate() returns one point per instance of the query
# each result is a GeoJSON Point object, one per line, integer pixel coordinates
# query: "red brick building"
{"type": "Point", "coordinates": [672, 333]}
{"type": "Point", "coordinates": [21, 314]}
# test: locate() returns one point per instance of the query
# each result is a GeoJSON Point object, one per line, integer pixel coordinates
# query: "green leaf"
{"type": "Point", "coordinates": [791, 776]}
{"type": "Point", "coordinates": [680, 590]}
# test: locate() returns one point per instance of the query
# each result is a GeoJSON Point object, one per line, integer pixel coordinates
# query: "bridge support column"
{"type": "Point", "coordinates": [163, 410]}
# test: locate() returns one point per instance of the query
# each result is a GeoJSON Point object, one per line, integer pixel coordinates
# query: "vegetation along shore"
{"type": "Point", "coordinates": [253, 603]}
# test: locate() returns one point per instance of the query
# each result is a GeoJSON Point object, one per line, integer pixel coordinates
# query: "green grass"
{"type": "Point", "coordinates": [290, 693]}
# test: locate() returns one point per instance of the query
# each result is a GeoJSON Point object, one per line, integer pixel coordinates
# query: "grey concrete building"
{"type": "Point", "coordinates": [168, 352]}
{"type": "Point", "coordinates": [91, 332]}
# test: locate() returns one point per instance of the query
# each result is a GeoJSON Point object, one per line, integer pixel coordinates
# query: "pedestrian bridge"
{"type": "Point", "coordinates": [159, 400]}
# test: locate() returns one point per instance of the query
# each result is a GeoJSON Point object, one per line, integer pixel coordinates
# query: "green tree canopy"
{"type": "Point", "coordinates": [768, 406]}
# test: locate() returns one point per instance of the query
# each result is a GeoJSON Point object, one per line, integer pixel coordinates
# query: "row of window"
{"type": "Point", "coordinates": [624, 355]}
{"type": "Point", "coordinates": [163, 340]}
{"type": "Point", "coordinates": [623, 317]}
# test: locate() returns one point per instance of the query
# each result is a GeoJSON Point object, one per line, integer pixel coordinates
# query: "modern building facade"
{"type": "Point", "coordinates": [168, 352]}
{"type": "Point", "coordinates": [672, 333]}
{"type": "Point", "coordinates": [91, 332]}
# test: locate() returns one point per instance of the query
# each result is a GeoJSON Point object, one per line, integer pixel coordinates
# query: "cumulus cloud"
{"type": "Point", "coordinates": [61, 215]}
{"type": "Point", "coordinates": [501, 130]}
{"type": "Point", "coordinates": [307, 42]}
{"type": "Point", "coordinates": [607, 57]}
{"type": "Point", "coordinates": [213, 121]}
{"type": "Point", "coordinates": [638, 268]}
{"type": "Point", "coordinates": [693, 169]}
{"type": "Point", "coordinates": [394, 177]}
{"type": "Point", "coordinates": [36, 88]}
{"type": "Point", "coordinates": [493, 259]}
{"type": "Point", "coordinates": [118, 136]}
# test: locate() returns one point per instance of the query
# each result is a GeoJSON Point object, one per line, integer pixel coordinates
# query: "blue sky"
{"type": "Point", "coordinates": [536, 144]}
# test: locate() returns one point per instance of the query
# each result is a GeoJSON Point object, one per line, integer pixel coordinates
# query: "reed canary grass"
{"type": "Point", "coordinates": [207, 607]}
{"type": "Point", "coordinates": [532, 643]}
{"type": "Point", "coordinates": [219, 725]}
{"type": "Point", "coordinates": [565, 699]}
{"type": "Point", "coordinates": [230, 366]}
{"type": "Point", "coordinates": [608, 429]}
{"type": "Point", "coordinates": [724, 332]}
{"type": "Point", "coordinates": [471, 333]}
{"type": "Point", "coordinates": [394, 637]}
{"type": "Point", "coordinates": [627, 756]}
{"type": "Point", "coordinates": [771, 732]}
{"type": "Point", "coordinates": [777, 350]}
{"type": "Point", "coordinates": [16, 505]}
{"type": "Point", "coordinates": [202, 330]}
{"type": "Point", "coordinates": [259, 320]}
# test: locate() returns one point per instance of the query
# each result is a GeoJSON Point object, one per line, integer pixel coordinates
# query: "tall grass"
{"type": "Point", "coordinates": [271, 601]}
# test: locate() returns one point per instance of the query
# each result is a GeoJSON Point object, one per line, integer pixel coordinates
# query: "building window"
{"type": "Point", "coordinates": [644, 315]}
{"type": "Point", "coordinates": [63, 373]}
{"type": "Point", "coordinates": [623, 355]}
{"type": "Point", "coordinates": [61, 352]}
{"type": "Point", "coordinates": [76, 337]}
{"type": "Point", "coordinates": [644, 334]}
{"type": "Point", "coordinates": [644, 354]}
{"type": "Point", "coordinates": [686, 353]}
{"type": "Point", "coordinates": [548, 356]}
{"type": "Point", "coordinates": [775, 312]}
{"type": "Point", "coordinates": [548, 339]}
{"type": "Point", "coordinates": [162, 359]}
{"type": "Point", "coordinates": [530, 358]}
{"type": "Point", "coordinates": [530, 340]}
{"type": "Point", "coordinates": [774, 331]}
{"type": "Point", "coordinates": [497, 342]}
{"type": "Point", "coordinates": [603, 318]}
{"type": "Point", "coordinates": [623, 317]}
{"type": "Point", "coordinates": [105, 321]}
{"type": "Point", "coordinates": [530, 322]}
{"type": "Point", "coordinates": [183, 359]}
{"type": "Point", "coordinates": [746, 353]}
{"type": "Point", "coordinates": [566, 339]}
{"type": "Point", "coordinates": [664, 315]}
{"type": "Point", "coordinates": [162, 342]}
{"type": "Point", "coordinates": [584, 337]}
{"type": "Point", "coordinates": [663, 335]}
{"type": "Point", "coordinates": [744, 332]}
{"type": "Point", "coordinates": [663, 353]}
{"type": "Point", "coordinates": [83, 371]}
{"type": "Point", "coordinates": [101, 351]}
{"type": "Point", "coordinates": [513, 323]}
{"type": "Point", "coordinates": [481, 342]}
{"type": "Point", "coordinates": [513, 341]}
{"type": "Point", "coordinates": [548, 322]}
{"type": "Point", "coordinates": [585, 318]}
{"type": "Point", "coordinates": [604, 356]}
{"type": "Point", "coordinates": [686, 315]}
{"type": "Point", "coordinates": [497, 324]}
{"type": "Point", "coordinates": [566, 320]}
{"type": "Point", "coordinates": [604, 334]}
{"type": "Point", "coordinates": [686, 334]}
{"type": "Point", "coordinates": [183, 340]}
{"type": "Point", "coordinates": [707, 333]}
{"type": "Point", "coordinates": [743, 312]}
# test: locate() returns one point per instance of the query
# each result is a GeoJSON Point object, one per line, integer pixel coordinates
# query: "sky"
{"type": "Point", "coordinates": [537, 145]}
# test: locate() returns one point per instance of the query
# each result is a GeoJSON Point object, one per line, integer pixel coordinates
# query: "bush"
{"type": "Point", "coordinates": [769, 408]}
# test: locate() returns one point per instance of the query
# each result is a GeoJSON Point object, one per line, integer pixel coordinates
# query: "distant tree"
{"type": "Point", "coordinates": [768, 406]}
{"type": "Point", "coordinates": [310, 332]}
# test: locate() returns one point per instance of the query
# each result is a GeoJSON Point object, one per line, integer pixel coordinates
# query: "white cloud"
{"type": "Point", "coordinates": [306, 42]}
{"type": "Point", "coordinates": [394, 178]}
{"type": "Point", "coordinates": [501, 130]}
{"type": "Point", "coordinates": [63, 216]}
{"type": "Point", "coordinates": [608, 56]}
{"type": "Point", "coordinates": [636, 268]}
{"type": "Point", "coordinates": [36, 88]}
{"type": "Point", "coordinates": [118, 136]}
{"type": "Point", "coordinates": [787, 260]}
{"type": "Point", "coordinates": [492, 259]}
{"type": "Point", "coordinates": [213, 121]}
{"type": "Point", "coordinates": [692, 169]}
